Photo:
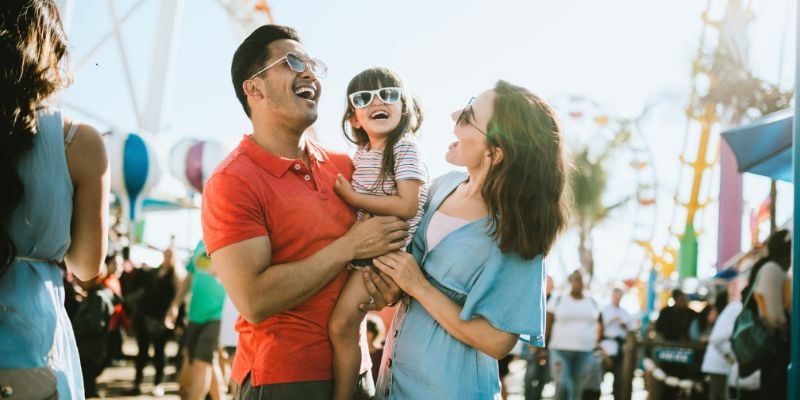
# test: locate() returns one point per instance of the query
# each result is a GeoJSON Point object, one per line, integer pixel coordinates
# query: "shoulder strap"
{"type": "Point", "coordinates": [73, 128]}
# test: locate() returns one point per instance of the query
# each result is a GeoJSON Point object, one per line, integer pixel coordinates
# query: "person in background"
{"type": "Point", "coordinates": [149, 321]}
{"type": "Point", "coordinates": [54, 189]}
{"type": "Point", "coordinates": [673, 321]}
{"type": "Point", "coordinates": [616, 324]}
{"type": "Point", "coordinates": [201, 338]}
{"type": "Point", "coordinates": [719, 360]}
{"type": "Point", "coordinates": [700, 327]}
{"type": "Point", "coordinates": [537, 370]}
{"type": "Point", "coordinates": [227, 341]}
{"type": "Point", "coordinates": [90, 324]}
{"type": "Point", "coordinates": [772, 293]}
{"type": "Point", "coordinates": [574, 331]}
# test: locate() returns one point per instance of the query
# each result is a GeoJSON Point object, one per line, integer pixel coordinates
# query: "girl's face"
{"type": "Point", "coordinates": [378, 118]}
{"type": "Point", "coordinates": [471, 146]}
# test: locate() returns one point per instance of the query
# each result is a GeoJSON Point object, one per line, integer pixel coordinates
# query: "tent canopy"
{"type": "Point", "coordinates": [764, 146]}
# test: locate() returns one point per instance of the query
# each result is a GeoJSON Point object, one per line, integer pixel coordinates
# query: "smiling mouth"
{"type": "Point", "coordinates": [380, 114]}
{"type": "Point", "coordinates": [305, 93]}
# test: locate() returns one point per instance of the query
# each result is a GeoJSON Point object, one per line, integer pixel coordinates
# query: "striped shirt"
{"type": "Point", "coordinates": [407, 166]}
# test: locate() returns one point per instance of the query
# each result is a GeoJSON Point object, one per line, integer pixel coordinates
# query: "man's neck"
{"type": "Point", "coordinates": [278, 139]}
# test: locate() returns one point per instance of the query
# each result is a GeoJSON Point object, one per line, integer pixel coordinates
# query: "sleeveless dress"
{"type": "Point", "coordinates": [34, 328]}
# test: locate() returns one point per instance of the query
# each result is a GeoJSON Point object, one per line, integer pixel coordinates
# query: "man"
{"type": "Point", "coordinates": [616, 324]}
{"type": "Point", "coordinates": [278, 235]}
{"type": "Point", "coordinates": [201, 339]}
{"type": "Point", "coordinates": [673, 321]}
{"type": "Point", "coordinates": [673, 325]}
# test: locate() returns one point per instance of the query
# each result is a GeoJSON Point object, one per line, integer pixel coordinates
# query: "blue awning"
{"type": "Point", "coordinates": [764, 146]}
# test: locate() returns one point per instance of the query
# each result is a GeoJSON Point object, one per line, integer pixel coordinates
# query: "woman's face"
{"type": "Point", "coordinates": [472, 122]}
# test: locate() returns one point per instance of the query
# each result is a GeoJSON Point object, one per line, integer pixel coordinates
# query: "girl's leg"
{"type": "Point", "coordinates": [344, 331]}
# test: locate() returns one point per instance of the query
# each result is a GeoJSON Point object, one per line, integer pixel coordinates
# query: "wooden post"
{"type": "Point", "coordinates": [628, 365]}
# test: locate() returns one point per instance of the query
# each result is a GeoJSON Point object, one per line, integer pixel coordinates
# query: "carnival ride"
{"type": "Point", "coordinates": [135, 148]}
{"type": "Point", "coordinates": [619, 144]}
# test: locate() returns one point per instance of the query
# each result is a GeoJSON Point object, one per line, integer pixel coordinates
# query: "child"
{"type": "Point", "coordinates": [389, 179]}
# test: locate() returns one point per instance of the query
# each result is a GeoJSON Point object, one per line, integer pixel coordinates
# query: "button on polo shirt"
{"type": "Point", "coordinates": [255, 193]}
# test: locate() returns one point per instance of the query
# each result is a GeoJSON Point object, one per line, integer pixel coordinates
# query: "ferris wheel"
{"type": "Point", "coordinates": [164, 19]}
{"type": "Point", "coordinates": [631, 186]}
{"type": "Point", "coordinates": [123, 68]}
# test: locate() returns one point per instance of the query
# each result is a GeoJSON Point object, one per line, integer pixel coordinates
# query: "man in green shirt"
{"type": "Point", "coordinates": [201, 338]}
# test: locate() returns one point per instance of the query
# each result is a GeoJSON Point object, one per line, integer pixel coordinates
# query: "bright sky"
{"type": "Point", "coordinates": [621, 53]}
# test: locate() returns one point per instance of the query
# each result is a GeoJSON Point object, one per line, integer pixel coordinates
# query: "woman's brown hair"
{"type": "Point", "coordinates": [525, 190]}
{"type": "Point", "coordinates": [32, 47]}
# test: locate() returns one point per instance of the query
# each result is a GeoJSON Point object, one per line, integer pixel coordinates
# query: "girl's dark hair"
{"type": "Point", "coordinates": [778, 245]}
{"type": "Point", "coordinates": [33, 46]}
{"type": "Point", "coordinates": [525, 190]}
{"type": "Point", "coordinates": [410, 121]}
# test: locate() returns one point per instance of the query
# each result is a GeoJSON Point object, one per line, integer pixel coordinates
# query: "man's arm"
{"type": "Point", "coordinates": [259, 289]}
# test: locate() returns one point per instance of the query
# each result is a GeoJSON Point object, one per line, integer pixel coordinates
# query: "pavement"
{"type": "Point", "coordinates": [116, 380]}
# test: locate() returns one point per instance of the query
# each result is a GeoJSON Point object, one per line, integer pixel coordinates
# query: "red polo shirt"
{"type": "Point", "coordinates": [254, 193]}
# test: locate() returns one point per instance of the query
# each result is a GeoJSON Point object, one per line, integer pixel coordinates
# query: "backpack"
{"type": "Point", "coordinates": [753, 342]}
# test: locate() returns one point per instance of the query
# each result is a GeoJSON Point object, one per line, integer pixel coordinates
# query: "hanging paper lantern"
{"type": "Point", "coordinates": [192, 161]}
{"type": "Point", "coordinates": [134, 170]}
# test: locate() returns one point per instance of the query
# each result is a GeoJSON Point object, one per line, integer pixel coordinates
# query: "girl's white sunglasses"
{"type": "Point", "coordinates": [363, 98]}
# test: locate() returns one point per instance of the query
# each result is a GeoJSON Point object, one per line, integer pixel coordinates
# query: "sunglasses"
{"type": "Point", "coordinates": [298, 64]}
{"type": "Point", "coordinates": [363, 98]}
{"type": "Point", "coordinates": [467, 116]}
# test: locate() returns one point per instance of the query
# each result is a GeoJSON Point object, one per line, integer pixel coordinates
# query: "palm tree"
{"type": "Point", "coordinates": [588, 181]}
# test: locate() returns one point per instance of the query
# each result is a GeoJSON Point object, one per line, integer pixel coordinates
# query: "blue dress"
{"type": "Point", "coordinates": [34, 328]}
{"type": "Point", "coordinates": [421, 359]}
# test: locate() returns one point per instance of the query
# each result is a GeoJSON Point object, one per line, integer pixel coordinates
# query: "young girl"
{"type": "Point", "coordinates": [389, 179]}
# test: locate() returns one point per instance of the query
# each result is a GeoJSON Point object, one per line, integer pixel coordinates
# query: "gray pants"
{"type": "Point", "coordinates": [311, 390]}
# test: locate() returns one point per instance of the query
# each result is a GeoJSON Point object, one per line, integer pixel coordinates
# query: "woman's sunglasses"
{"type": "Point", "coordinates": [363, 98]}
{"type": "Point", "coordinates": [298, 64]}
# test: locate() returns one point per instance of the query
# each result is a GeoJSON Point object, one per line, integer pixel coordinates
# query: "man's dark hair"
{"type": "Point", "coordinates": [677, 293]}
{"type": "Point", "coordinates": [253, 53]}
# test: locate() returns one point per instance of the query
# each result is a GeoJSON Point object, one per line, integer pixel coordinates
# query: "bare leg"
{"type": "Point", "coordinates": [217, 389]}
{"type": "Point", "coordinates": [343, 329]}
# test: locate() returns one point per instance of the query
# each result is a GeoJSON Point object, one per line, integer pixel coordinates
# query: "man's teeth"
{"type": "Point", "coordinates": [305, 92]}
{"type": "Point", "coordinates": [379, 115]}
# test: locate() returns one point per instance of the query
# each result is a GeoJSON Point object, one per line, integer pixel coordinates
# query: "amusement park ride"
{"type": "Point", "coordinates": [135, 165]}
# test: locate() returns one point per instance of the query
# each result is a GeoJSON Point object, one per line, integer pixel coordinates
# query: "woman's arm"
{"type": "Point", "coordinates": [88, 168]}
{"type": "Point", "coordinates": [403, 205]}
{"type": "Point", "coordinates": [478, 333]}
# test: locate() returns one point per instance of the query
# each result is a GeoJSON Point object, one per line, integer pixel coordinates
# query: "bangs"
{"type": "Point", "coordinates": [374, 78]}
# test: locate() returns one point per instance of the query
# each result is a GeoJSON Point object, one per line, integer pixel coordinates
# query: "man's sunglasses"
{"type": "Point", "coordinates": [467, 116]}
{"type": "Point", "coordinates": [298, 64]}
{"type": "Point", "coordinates": [363, 98]}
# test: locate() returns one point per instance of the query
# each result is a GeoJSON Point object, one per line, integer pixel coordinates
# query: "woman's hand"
{"type": "Point", "coordinates": [344, 189]}
{"type": "Point", "coordinates": [403, 269]}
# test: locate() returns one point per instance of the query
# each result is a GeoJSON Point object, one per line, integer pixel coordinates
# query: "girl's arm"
{"type": "Point", "coordinates": [403, 205]}
{"type": "Point", "coordinates": [477, 333]}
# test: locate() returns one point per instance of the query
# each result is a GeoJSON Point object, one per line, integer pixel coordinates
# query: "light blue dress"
{"type": "Point", "coordinates": [34, 328]}
{"type": "Point", "coordinates": [421, 359]}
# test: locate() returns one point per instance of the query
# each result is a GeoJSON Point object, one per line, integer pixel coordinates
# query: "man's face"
{"type": "Point", "coordinates": [290, 97]}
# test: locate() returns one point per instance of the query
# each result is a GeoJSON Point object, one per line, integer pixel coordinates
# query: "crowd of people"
{"type": "Point", "coordinates": [461, 256]}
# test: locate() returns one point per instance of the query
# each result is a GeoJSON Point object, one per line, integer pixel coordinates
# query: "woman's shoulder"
{"type": "Point", "coordinates": [86, 152]}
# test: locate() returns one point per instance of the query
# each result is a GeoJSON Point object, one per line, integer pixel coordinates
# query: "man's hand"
{"type": "Point", "coordinates": [381, 289]}
{"type": "Point", "coordinates": [171, 317]}
{"type": "Point", "coordinates": [375, 236]}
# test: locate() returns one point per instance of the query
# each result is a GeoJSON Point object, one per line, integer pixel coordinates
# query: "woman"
{"type": "Point", "coordinates": [771, 291]}
{"type": "Point", "coordinates": [54, 202]}
{"type": "Point", "coordinates": [480, 244]}
{"type": "Point", "coordinates": [574, 332]}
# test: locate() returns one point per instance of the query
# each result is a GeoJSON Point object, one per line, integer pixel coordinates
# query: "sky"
{"type": "Point", "coordinates": [621, 54]}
